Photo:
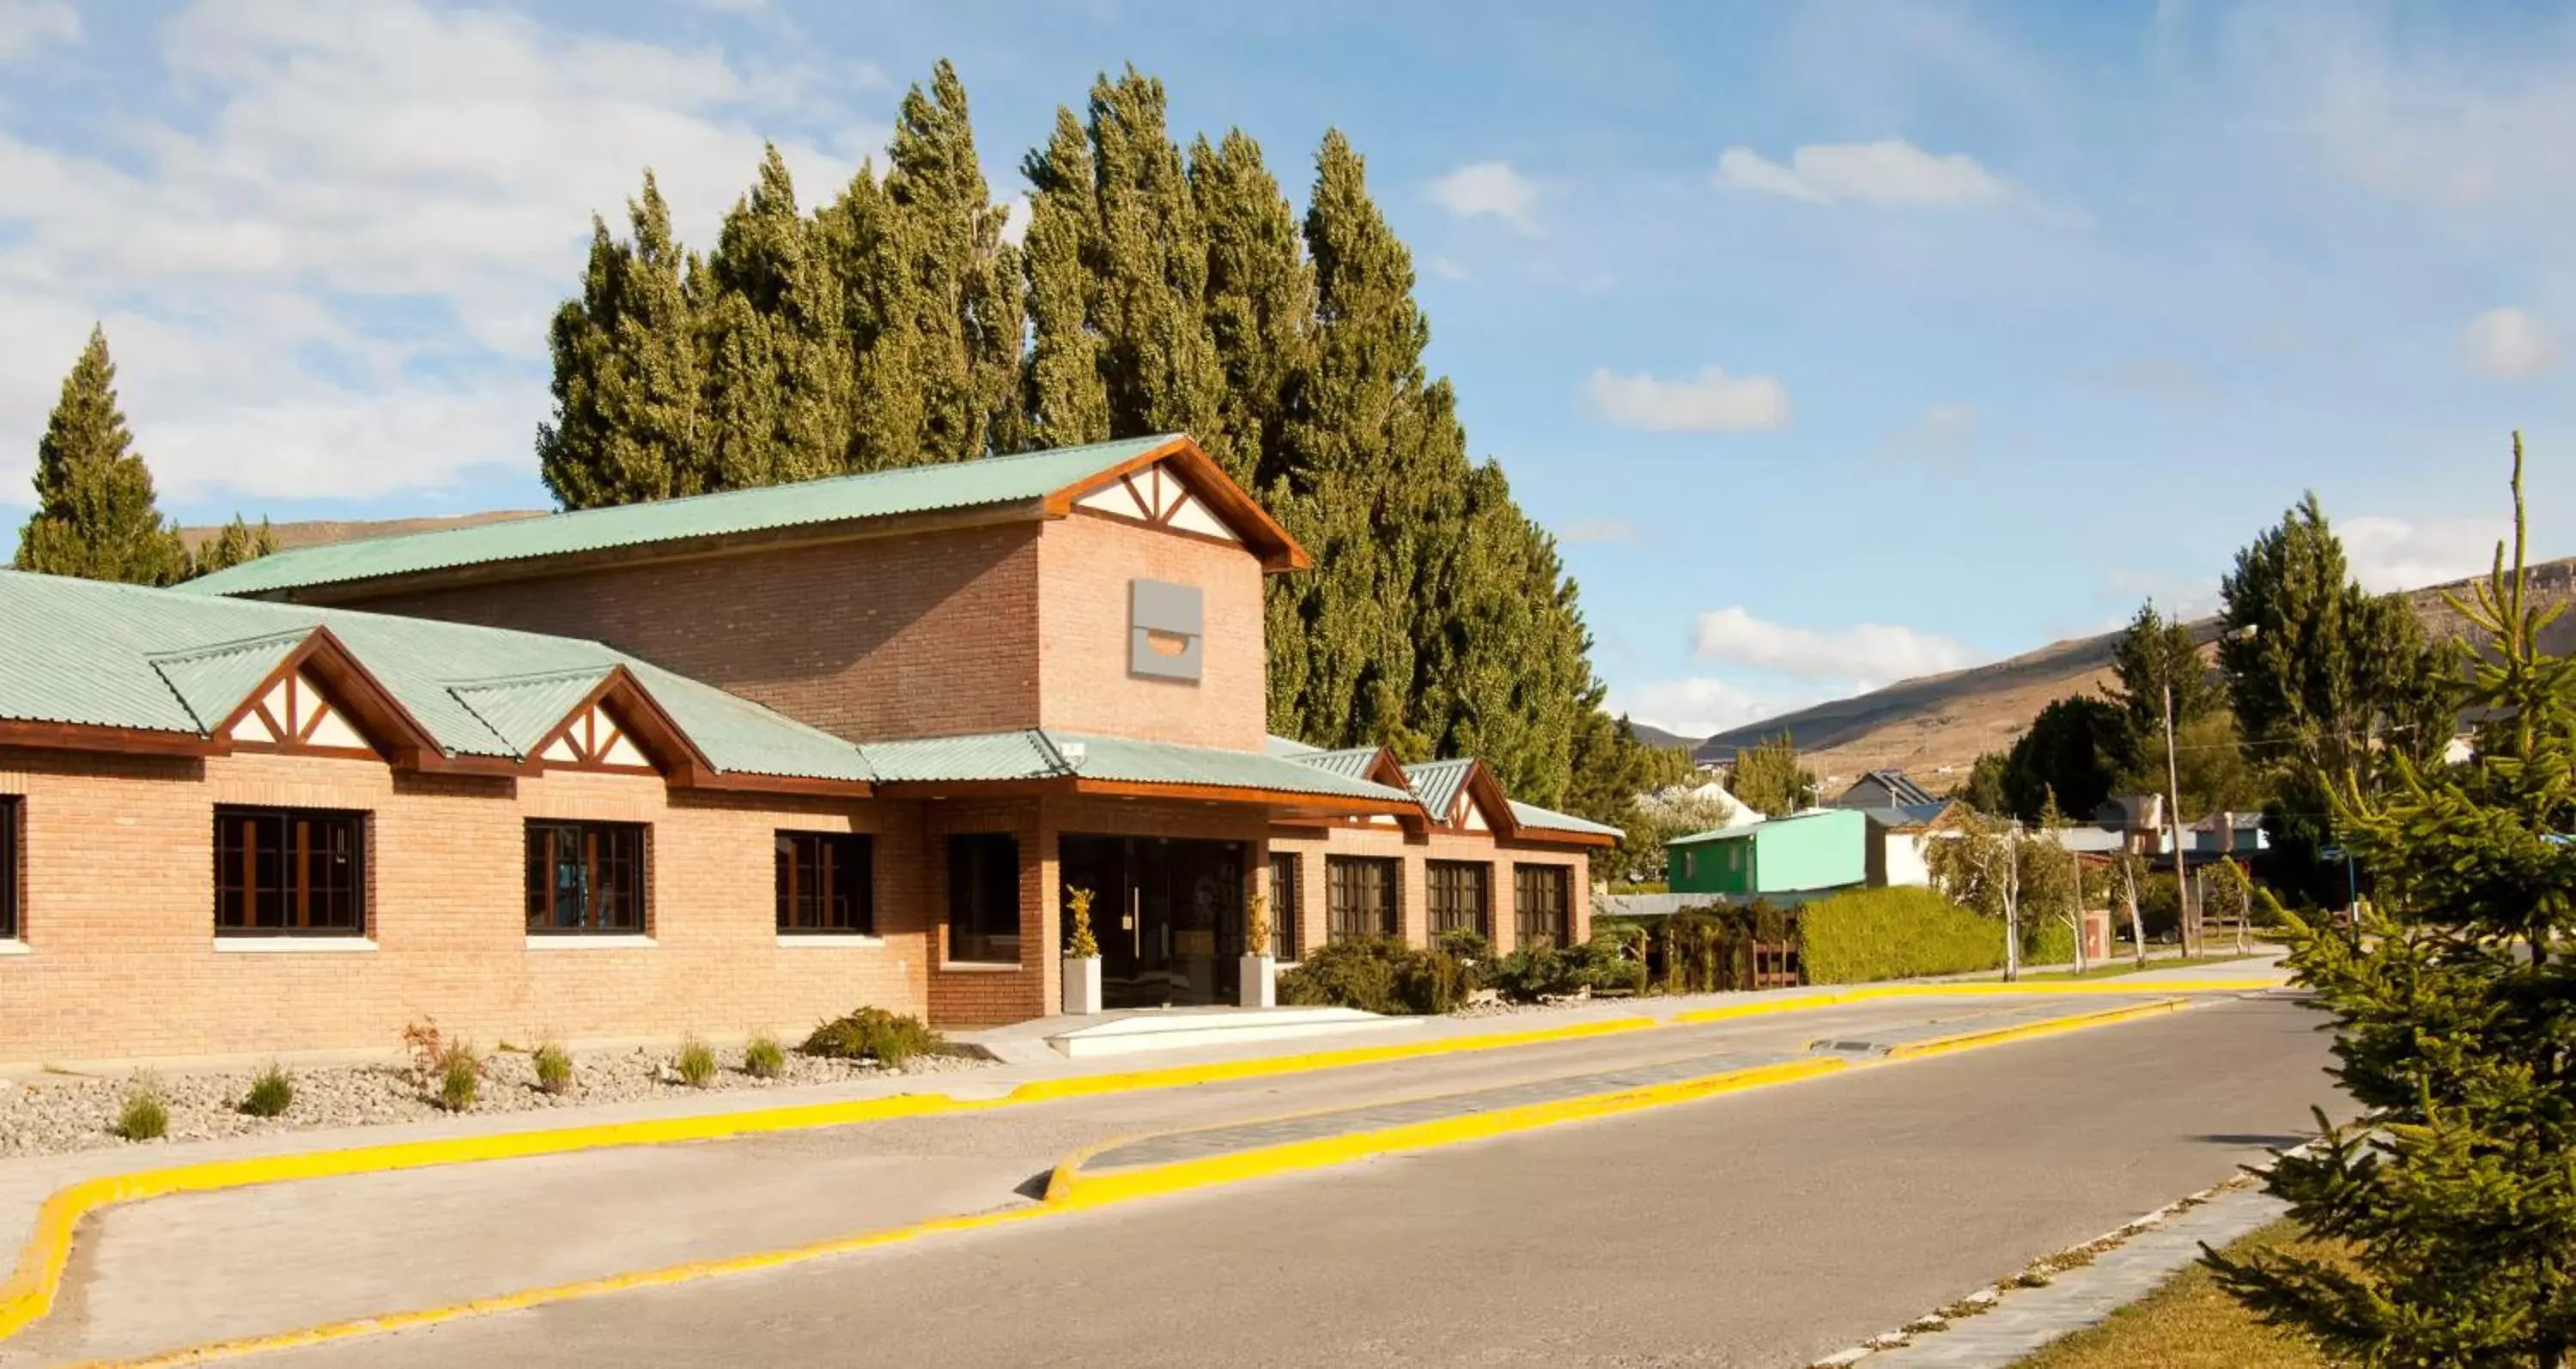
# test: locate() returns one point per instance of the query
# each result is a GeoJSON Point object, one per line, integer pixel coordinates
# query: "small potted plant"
{"type": "Point", "coordinates": [1081, 955]}
{"type": "Point", "coordinates": [1260, 976]}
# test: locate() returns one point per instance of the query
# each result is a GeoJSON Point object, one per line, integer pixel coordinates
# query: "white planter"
{"type": "Point", "coordinates": [1081, 985]}
{"type": "Point", "coordinates": [1260, 982]}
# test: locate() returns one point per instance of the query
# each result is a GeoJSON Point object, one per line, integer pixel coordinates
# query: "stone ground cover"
{"type": "Point", "coordinates": [52, 1113]}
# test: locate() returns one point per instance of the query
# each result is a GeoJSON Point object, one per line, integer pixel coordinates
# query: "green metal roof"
{"type": "Point", "coordinates": [1287, 746]}
{"type": "Point", "coordinates": [1438, 782]}
{"type": "Point", "coordinates": [105, 655]}
{"type": "Point", "coordinates": [1040, 754]}
{"type": "Point", "coordinates": [1351, 763]}
{"type": "Point", "coordinates": [838, 499]}
{"type": "Point", "coordinates": [1548, 819]}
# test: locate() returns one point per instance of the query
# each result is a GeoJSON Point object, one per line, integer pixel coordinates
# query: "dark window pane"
{"type": "Point", "coordinates": [1460, 897]}
{"type": "Point", "coordinates": [585, 877]}
{"type": "Point", "coordinates": [1359, 897]}
{"type": "Point", "coordinates": [826, 882]}
{"type": "Point", "coordinates": [290, 872]}
{"type": "Point", "coordinates": [1539, 895]}
{"type": "Point", "coordinates": [1283, 905]}
{"type": "Point", "coordinates": [984, 898]}
{"type": "Point", "coordinates": [9, 877]}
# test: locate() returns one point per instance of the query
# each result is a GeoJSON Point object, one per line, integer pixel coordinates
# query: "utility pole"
{"type": "Point", "coordinates": [2186, 922]}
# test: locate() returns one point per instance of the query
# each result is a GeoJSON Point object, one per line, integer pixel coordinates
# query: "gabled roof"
{"type": "Point", "coordinates": [1438, 782]}
{"type": "Point", "coordinates": [1033, 484]}
{"type": "Point", "coordinates": [177, 666]}
{"type": "Point", "coordinates": [1902, 792]}
{"type": "Point", "coordinates": [1530, 815]}
{"type": "Point", "coordinates": [1042, 754]}
{"type": "Point", "coordinates": [1909, 817]}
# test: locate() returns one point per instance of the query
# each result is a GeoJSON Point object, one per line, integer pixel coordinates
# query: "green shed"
{"type": "Point", "coordinates": [1820, 850]}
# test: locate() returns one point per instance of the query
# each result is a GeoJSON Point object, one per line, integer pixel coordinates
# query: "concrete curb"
{"type": "Point", "coordinates": [1879, 992]}
{"type": "Point", "coordinates": [30, 1292]}
{"type": "Point", "coordinates": [1995, 1035]}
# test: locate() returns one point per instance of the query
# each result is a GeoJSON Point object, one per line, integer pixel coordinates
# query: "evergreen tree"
{"type": "Point", "coordinates": [1259, 300]}
{"type": "Point", "coordinates": [2075, 751]}
{"type": "Point", "coordinates": [2453, 1010]}
{"type": "Point", "coordinates": [1149, 298]}
{"type": "Point", "coordinates": [1983, 789]}
{"type": "Point", "coordinates": [1067, 402]}
{"type": "Point", "coordinates": [95, 512]}
{"type": "Point", "coordinates": [1769, 779]}
{"type": "Point", "coordinates": [2156, 653]}
{"type": "Point", "coordinates": [779, 368]}
{"type": "Point", "coordinates": [628, 385]}
{"type": "Point", "coordinates": [238, 542]}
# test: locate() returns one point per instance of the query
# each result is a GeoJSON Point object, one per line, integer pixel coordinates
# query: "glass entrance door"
{"type": "Point", "coordinates": [1168, 914]}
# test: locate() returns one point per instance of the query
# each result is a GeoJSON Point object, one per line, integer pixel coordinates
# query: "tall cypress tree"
{"type": "Point", "coordinates": [95, 512]}
{"type": "Point", "coordinates": [1067, 402]}
{"type": "Point", "coordinates": [779, 364]}
{"type": "Point", "coordinates": [1149, 299]}
{"type": "Point", "coordinates": [965, 280]}
{"type": "Point", "coordinates": [629, 418]}
{"type": "Point", "coordinates": [1259, 302]}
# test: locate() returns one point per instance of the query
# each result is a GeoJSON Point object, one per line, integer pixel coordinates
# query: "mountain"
{"type": "Point", "coordinates": [1652, 735]}
{"type": "Point", "coordinates": [1933, 727]}
{"type": "Point", "coordinates": [316, 532]}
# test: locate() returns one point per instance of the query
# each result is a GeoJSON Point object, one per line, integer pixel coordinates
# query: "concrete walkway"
{"type": "Point", "coordinates": [323, 1250]}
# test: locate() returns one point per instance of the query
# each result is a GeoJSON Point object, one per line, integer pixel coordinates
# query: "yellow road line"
{"type": "Point", "coordinates": [1068, 1191]}
{"type": "Point", "coordinates": [1996, 1036]}
{"type": "Point", "coordinates": [1871, 993]}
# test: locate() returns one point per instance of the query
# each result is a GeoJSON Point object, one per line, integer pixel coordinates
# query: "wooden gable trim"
{"type": "Point", "coordinates": [1486, 792]}
{"type": "Point", "coordinates": [349, 689]}
{"type": "Point", "coordinates": [639, 718]}
{"type": "Point", "coordinates": [1203, 477]}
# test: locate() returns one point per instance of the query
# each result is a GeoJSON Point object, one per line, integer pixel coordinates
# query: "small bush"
{"type": "Point", "coordinates": [271, 1094]}
{"type": "Point", "coordinates": [873, 1034]}
{"type": "Point", "coordinates": [1379, 975]}
{"type": "Point", "coordinates": [1611, 962]}
{"type": "Point", "coordinates": [762, 1059]}
{"type": "Point", "coordinates": [554, 1068]}
{"type": "Point", "coordinates": [695, 1064]}
{"type": "Point", "coordinates": [1533, 973]}
{"type": "Point", "coordinates": [144, 1117]}
{"type": "Point", "coordinates": [1464, 943]}
{"type": "Point", "coordinates": [460, 1076]}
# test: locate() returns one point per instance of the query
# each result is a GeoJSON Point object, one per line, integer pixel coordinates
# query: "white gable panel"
{"type": "Point", "coordinates": [1472, 817]}
{"type": "Point", "coordinates": [562, 750]}
{"type": "Point", "coordinates": [330, 730]}
{"type": "Point", "coordinates": [1190, 515]}
{"type": "Point", "coordinates": [1112, 498]}
{"type": "Point", "coordinates": [622, 752]}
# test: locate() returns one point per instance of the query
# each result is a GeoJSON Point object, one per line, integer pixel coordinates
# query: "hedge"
{"type": "Point", "coordinates": [1903, 933]}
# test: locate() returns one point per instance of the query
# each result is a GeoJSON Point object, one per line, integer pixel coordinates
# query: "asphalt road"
{"type": "Point", "coordinates": [1757, 1229]}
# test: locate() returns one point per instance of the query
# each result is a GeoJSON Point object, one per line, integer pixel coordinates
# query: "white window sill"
{"type": "Point", "coordinates": [979, 967]}
{"type": "Point", "coordinates": [290, 945]}
{"type": "Point", "coordinates": [16, 948]}
{"type": "Point", "coordinates": [832, 940]}
{"type": "Point", "coordinates": [586, 941]}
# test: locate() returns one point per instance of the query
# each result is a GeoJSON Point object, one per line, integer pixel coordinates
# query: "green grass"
{"type": "Point", "coordinates": [2189, 1323]}
{"type": "Point", "coordinates": [2115, 968]}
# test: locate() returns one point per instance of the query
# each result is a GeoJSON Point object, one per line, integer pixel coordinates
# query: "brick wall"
{"type": "Point", "coordinates": [1313, 845]}
{"type": "Point", "coordinates": [927, 635]}
{"type": "Point", "coordinates": [1085, 566]}
{"type": "Point", "coordinates": [122, 962]}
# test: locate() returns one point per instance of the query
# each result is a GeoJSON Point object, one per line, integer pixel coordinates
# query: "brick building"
{"type": "Point", "coordinates": [719, 764]}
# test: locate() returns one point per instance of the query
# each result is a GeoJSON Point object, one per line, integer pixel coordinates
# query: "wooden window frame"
{"type": "Point", "coordinates": [290, 847]}
{"type": "Point", "coordinates": [597, 915]}
{"type": "Point", "coordinates": [975, 908]}
{"type": "Point", "coordinates": [1283, 903]}
{"type": "Point", "coordinates": [808, 864]}
{"type": "Point", "coordinates": [1344, 910]}
{"type": "Point", "coordinates": [1441, 896]}
{"type": "Point", "coordinates": [13, 810]}
{"type": "Point", "coordinates": [1559, 881]}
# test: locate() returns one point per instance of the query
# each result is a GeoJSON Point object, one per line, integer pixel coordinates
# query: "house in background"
{"type": "Point", "coordinates": [1882, 789]}
{"type": "Point", "coordinates": [1899, 840]}
{"type": "Point", "coordinates": [1827, 848]}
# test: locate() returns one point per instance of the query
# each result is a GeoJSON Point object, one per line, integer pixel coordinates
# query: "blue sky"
{"type": "Point", "coordinates": [1839, 342]}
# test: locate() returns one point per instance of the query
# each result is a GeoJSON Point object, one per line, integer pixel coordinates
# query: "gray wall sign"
{"type": "Point", "coordinates": [1165, 622]}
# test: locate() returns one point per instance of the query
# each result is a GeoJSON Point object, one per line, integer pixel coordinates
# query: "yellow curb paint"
{"type": "Point", "coordinates": [32, 1286]}
{"type": "Point", "coordinates": [1880, 992]}
{"type": "Point", "coordinates": [1068, 1192]}
{"type": "Point", "coordinates": [1995, 1036]}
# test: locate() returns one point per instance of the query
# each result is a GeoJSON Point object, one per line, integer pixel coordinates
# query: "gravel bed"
{"type": "Point", "coordinates": [50, 1114]}
{"type": "Point", "coordinates": [1486, 1004]}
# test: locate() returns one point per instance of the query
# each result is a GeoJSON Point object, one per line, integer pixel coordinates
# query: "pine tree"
{"type": "Point", "coordinates": [2075, 751]}
{"type": "Point", "coordinates": [1769, 779]}
{"type": "Point", "coordinates": [2453, 1014]}
{"type": "Point", "coordinates": [1259, 302]}
{"type": "Point", "coordinates": [629, 402]}
{"type": "Point", "coordinates": [95, 512]}
{"type": "Point", "coordinates": [237, 543]}
{"type": "Point", "coordinates": [2154, 653]}
{"type": "Point", "coordinates": [1149, 298]}
{"type": "Point", "coordinates": [1067, 402]}
{"type": "Point", "coordinates": [779, 369]}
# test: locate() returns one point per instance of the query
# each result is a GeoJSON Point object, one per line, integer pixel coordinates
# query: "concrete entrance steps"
{"type": "Point", "coordinates": [1166, 1029]}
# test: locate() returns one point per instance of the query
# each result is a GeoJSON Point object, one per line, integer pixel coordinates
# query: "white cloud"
{"type": "Point", "coordinates": [1701, 706]}
{"type": "Point", "coordinates": [1598, 531]}
{"type": "Point", "coordinates": [1710, 402]}
{"type": "Point", "coordinates": [2393, 554]}
{"type": "Point", "coordinates": [2510, 343]}
{"type": "Point", "coordinates": [1889, 171]}
{"type": "Point", "coordinates": [1489, 188]}
{"type": "Point", "coordinates": [1869, 654]}
{"type": "Point", "coordinates": [1446, 269]}
{"type": "Point", "coordinates": [1945, 432]}
{"type": "Point", "coordinates": [2175, 596]}
{"type": "Point", "coordinates": [1015, 220]}
{"type": "Point", "coordinates": [26, 25]}
{"type": "Point", "coordinates": [336, 282]}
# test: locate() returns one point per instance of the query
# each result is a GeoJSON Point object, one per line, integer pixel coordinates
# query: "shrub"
{"type": "Point", "coordinates": [696, 1063]}
{"type": "Point", "coordinates": [1694, 943]}
{"type": "Point", "coordinates": [1535, 972]}
{"type": "Point", "coordinates": [762, 1059]}
{"type": "Point", "coordinates": [271, 1093]}
{"type": "Point", "coordinates": [144, 1117]}
{"type": "Point", "coordinates": [1612, 961]}
{"type": "Point", "coordinates": [554, 1068]}
{"type": "Point", "coordinates": [873, 1034]}
{"type": "Point", "coordinates": [2048, 941]}
{"type": "Point", "coordinates": [1379, 975]}
{"type": "Point", "coordinates": [1899, 933]}
{"type": "Point", "coordinates": [460, 1076]}
{"type": "Point", "coordinates": [1465, 944]}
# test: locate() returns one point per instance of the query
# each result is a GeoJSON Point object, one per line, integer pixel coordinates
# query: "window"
{"type": "Point", "coordinates": [826, 883]}
{"type": "Point", "coordinates": [585, 878]}
{"type": "Point", "coordinates": [1460, 897]}
{"type": "Point", "coordinates": [1284, 884]}
{"type": "Point", "coordinates": [1690, 864]}
{"type": "Point", "coordinates": [1359, 897]}
{"type": "Point", "coordinates": [1539, 896]}
{"type": "Point", "coordinates": [290, 872]}
{"type": "Point", "coordinates": [9, 804]}
{"type": "Point", "coordinates": [984, 898]}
